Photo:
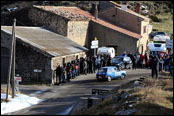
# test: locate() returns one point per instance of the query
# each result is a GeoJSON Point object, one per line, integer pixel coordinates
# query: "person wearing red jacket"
{"type": "Point", "coordinates": [142, 60]}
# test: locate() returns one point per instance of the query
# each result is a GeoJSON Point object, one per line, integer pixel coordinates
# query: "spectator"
{"type": "Point", "coordinates": [124, 53]}
{"type": "Point", "coordinates": [142, 60]}
{"type": "Point", "coordinates": [63, 73]}
{"type": "Point", "coordinates": [81, 65]}
{"type": "Point", "coordinates": [109, 61]}
{"type": "Point", "coordinates": [76, 68]}
{"type": "Point", "coordinates": [171, 65]}
{"type": "Point", "coordinates": [78, 71]}
{"type": "Point", "coordinates": [98, 62]}
{"type": "Point", "coordinates": [134, 62]}
{"type": "Point", "coordinates": [91, 65]}
{"type": "Point", "coordinates": [138, 59]}
{"type": "Point", "coordinates": [155, 66]}
{"type": "Point", "coordinates": [146, 59]}
{"type": "Point", "coordinates": [58, 74]}
{"type": "Point", "coordinates": [166, 63]}
{"type": "Point", "coordinates": [94, 63]}
{"type": "Point", "coordinates": [88, 61]}
{"type": "Point", "coordinates": [68, 70]}
{"type": "Point", "coordinates": [85, 67]}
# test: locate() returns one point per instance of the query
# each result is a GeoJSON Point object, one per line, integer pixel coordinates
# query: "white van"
{"type": "Point", "coordinates": [161, 38]}
{"type": "Point", "coordinates": [159, 47]}
{"type": "Point", "coordinates": [107, 51]}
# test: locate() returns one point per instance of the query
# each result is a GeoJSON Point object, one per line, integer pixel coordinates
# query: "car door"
{"type": "Point", "coordinates": [117, 72]}
{"type": "Point", "coordinates": [113, 75]}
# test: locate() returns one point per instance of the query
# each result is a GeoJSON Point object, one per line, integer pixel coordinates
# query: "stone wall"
{"type": "Point", "coordinates": [6, 40]}
{"type": "Point", "coordinates": [77, 31]}
{"type": "Point", "coordinates": [51, 21]}
{"type": "Point", "coordinates": [27, 60]}
{"type": "Point", "coordinates": [122, 19]}
{"type": "Point", "coordinates": [109, 37]}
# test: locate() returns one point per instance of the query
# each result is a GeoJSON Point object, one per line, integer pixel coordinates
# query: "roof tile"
{"type": "Point", "coordinates": [75, 13]}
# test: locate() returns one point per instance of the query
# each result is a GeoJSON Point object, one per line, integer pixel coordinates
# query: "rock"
{"type": "Point", "coordinates": [132, 105]}
{"type": "Point", "coordinates": [116, 98]}
{"type": "Point", "coordinates": [125, 95]}
{"type": "Point", "coordinates": [136, 83]}
{"type": "Point", "coordinates": [114, 106]}
{"type": "Point", "coordinates": [126, 112]}
{"type": "Point", "coordinates": [137, 99]}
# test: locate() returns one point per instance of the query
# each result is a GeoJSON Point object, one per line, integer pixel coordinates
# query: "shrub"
{"type": "Point", "coordinates": [158, 12]}
{"type": "Point", "coordinates": [154, 18]}
{"type": "Point", "coordinates": [155, 30]}
{"type": "Point", "coordinates": [166, 10]}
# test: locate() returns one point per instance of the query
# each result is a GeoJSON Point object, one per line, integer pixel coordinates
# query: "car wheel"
{"type": "Point", "coordinates": [109, 78]}
{"type": "Point", "coordinates": [130, 66]}
{"type": "Point", "coordinates": [122, 76]}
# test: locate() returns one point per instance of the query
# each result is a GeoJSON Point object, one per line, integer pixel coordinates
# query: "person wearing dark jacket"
{"type": "Point", "coordinates": [91, 65]}
{"type": "Point", "coordinates": [68, 70]}
{"type": "Point", "coordinates": [94, 63]}
{"type": "Point", "coordinates": [59, 73]}
{"type": "Point", "coordinates": [155, 66]}
{"type": "Point", "coordinates": [134, 62]}
{"type": "Point", "coordinates": [109, 61]}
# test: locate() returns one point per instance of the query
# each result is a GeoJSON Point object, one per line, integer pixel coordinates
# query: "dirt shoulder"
{"type": "Point", "coordinates": [142, 97]}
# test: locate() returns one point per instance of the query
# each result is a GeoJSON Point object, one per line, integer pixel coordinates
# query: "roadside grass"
{"type": "Point", "coordinates": [166, 25]}
{"type": "Point", "coordinates": [155, 99]}
{"type": "Point", "coordinates": [3, 90]}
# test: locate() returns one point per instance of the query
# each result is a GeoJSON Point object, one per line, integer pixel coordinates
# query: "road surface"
{"type": "Point", "coordinates": [59, 100]}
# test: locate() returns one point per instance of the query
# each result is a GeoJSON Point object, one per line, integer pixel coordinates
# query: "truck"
{"type": "Point", "coordinates": [106, 51]}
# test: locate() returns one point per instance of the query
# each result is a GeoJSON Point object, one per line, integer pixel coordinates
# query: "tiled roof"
{"type": "Point", "coordinates": [81, 13]}
{"type": "Point", "coordinates": [109, 25]}
{"type": "Point", "coordinates": [71, 13]}
{"type": "Point", "coordinates": [130, 11]}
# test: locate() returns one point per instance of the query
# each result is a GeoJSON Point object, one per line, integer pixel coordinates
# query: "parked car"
{"type": "Point", "coordinates": [109, 73]}
{"type": "Point", "coordinates": [157, 33]}
{"type": "Point", "coordinates": [122, 62]}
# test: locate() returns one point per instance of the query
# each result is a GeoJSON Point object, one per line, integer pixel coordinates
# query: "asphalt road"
{"type": "Point", "coordinates": [59, 100]}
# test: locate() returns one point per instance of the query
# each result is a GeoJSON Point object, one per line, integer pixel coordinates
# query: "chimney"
{"type": "Point", "coordinates": [138, 8]}
{"type": "Point", "coordinates": [124, 5]}
{"type": "Point", "coordinates": [96, 12]}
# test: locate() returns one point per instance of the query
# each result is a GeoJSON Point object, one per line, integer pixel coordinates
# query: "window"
{"type": "Point", "coordinates": [144, 29]}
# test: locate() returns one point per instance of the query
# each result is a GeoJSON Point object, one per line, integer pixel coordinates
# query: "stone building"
{"type": "Point", "coordinates": [82, 27]}
{"type": "Point", "coordinates": [66, 21]}
{"type": "Point", "coordinates": [37, 49]}
{"type": "Point", "coordinates": [123, 17]}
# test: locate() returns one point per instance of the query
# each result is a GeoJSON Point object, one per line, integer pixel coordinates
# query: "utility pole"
{"type": "Point", "coordinates": [14, 55]}
{"type": "Point", "coordinates": [10, 62]}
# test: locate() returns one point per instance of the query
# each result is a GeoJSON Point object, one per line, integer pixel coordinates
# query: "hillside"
{"type": "Point", "coordinates": [160, 12]}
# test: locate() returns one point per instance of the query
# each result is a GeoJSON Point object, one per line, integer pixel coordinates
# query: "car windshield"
{"type": "Point", "coordinates": [103, 70]}
{"type": "Point", "coordinates": [117, 59]}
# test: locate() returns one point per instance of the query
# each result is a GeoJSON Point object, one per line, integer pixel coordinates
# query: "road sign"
{"type": "Point", "coordinates": [162, 54]}
{"type": "Point", "coordinates": [18, 79]}
{"type": "Point", "coordinates": [95, 46]}
{"type": "Point", "coordinates": [94, 43]}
